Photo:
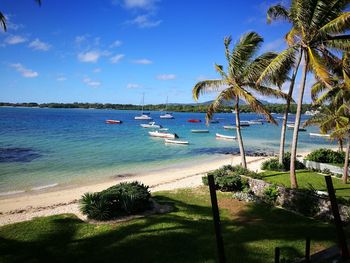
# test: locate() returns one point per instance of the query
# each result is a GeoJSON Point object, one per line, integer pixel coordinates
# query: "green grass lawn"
{"type": "Point", "coordinates": [250, 231]}
{"type": "Point", "coordinates": [306, 179]}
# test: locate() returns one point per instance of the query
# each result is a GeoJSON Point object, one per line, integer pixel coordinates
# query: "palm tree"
{"type": "Point", "coordinates": [317, 29]}
{"type": "Point", "coordinates": [3, 18]}
{"type": "Point", "coordinates": [239, 80]}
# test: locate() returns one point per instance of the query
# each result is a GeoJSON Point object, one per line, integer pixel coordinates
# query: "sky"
{"type": "Point", "coordinates": [113, 51]}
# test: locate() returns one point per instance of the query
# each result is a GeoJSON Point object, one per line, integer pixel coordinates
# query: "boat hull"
{"type": "Point", "coordinates": [176, 142]}
{"type": "Point", "coordinates": [113, 122]}
{"type": "Point", "coordinates": [162, 135]}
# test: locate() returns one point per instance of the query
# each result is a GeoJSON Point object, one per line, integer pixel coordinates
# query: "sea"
{"type": "Point", "coordinates": [43, 148]}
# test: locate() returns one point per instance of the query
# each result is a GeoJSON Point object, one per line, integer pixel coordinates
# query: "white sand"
{"type": "Point", "coordinates": [26, 206]}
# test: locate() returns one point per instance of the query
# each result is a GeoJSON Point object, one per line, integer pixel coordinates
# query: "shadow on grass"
{"type": "Point", "coordinates": [184, 235]}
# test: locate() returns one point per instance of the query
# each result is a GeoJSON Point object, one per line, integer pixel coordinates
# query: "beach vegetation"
{"type": "Point", "coordinates": [324, 155]}
{"type": "Point", "coordinates": [273, 164]}
{"type": "Point", "coordinates": [121, 199]}
{"type": "Point", "coordinates": [270, 194]}
{"type": "Point", "coordinates": [183, 235]}
{"type": "Point", "coordinates": [317, 31]}
{"type": "Point", "coordinates": [238, 81]}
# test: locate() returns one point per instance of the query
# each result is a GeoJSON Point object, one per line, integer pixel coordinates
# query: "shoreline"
{"type": "Point", "coordinates": [25, 206]}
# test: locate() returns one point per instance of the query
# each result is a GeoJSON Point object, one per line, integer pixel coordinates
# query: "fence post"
{"type": "Point", "coordinates": [307, 250]}
{"type": "Point", "coordinates": [337, 220]}
{"type": "Point", "coordinates": [277, 254]}
{"type": "Point", "coordinates": [216, 217]}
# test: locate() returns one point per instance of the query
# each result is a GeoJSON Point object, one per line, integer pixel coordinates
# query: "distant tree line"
{"type": "Point", "coordinates": [277, 108]}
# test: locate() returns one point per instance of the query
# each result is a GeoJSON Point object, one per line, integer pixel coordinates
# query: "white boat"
{"type": "Point", "coordinates": [319, 135]}
{"type": "Point", "coordinates": [291, 127]}
{"type": "Point", "coordinates": [162, 134]}
{"type": "Point", "coordinates": [229, 127]}
{"type": "Point", "coordinates": [227, 137]}
{"type": "Point", "coordinates": [175, 141]}
{"type": "Point", "coordinates": [152, 124]}
{"type": "Point", "coordinates": [311, 113]}
{"type": "Point", "coordinates": [255, 122]}
{"type": "Point", "coordinates": [200, 131]}
{"type": "Point", "coordinates": [244, 123]}
{"type": "Point", "coordinates": [167, 115]}
{"type": "Point", "coordinates": [164, 129]}
{"type": "Point", "coordinates": [143, 115]}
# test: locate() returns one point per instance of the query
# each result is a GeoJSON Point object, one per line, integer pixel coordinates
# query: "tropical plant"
{"type": "Point", "coordinates": [318, 28]}
{"type": "Point", "coordinates": [239, 81]}
{"type": "Point", "coordinates": [3, 17]}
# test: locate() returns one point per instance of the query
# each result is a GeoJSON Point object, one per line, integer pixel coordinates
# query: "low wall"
{"type": "Point", "coordinates": [287, 195]}
{"type": "Point", "coordinates": [321, 166]}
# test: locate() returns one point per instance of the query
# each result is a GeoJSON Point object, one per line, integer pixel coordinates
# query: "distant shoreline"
{"type": "Point", "coordinates": [175, 107]}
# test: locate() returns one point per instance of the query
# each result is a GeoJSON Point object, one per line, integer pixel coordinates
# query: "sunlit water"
{"type": "Point", "coordinates": [49, 147]}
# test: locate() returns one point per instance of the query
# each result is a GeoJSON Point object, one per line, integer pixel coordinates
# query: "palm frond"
{"type": "Point", "coordinates": [317, 88]}
{"type": "Point", "coordinates": [207, 86]}
{"type": "Point", "coordinates": [3, 22]}
{"type": "Point", "coordinates": [338, 25]}
{"type": "Point", "coordinates": [291, 36]}
{"type": "Point", "coordinates": [318, 66]}
{"type": "Point", "coordinates": [227, 43]}
{"type": "Point", "coordinates": [266, 91]}
{"type": "Point", "coordinates": [346, 69]}
{"type": "Point", "coordinates": [277, 12]}
{"type": "Point", "coordinates": [253, 70]}
{"type": "Point", "coordinates": [225, 95]}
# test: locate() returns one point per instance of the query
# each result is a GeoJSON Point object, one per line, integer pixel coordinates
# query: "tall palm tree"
{"type": "Point", "coordinates": [318, 28]}
{"type": "Point", "coordinates": [3, 18]}
{"type": "Point", "coordinates": [239, 80]}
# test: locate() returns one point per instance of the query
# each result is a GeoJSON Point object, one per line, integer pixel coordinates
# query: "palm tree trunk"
{"type": "Point", "coordinates": [341, 145]}
{"type": "Point", "coordinates": [346, 162]}
{"type": "Point", "coordinates": [239, 135]}
{"type": "Point", "coordinates": [293, 178]}
{"type": "Point", "coordinates": [286, 111]}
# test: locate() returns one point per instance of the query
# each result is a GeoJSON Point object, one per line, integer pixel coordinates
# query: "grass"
{"type": "Point", "coordinates": [250, 232]}
{"type": "Point", "coordinates": [306, 179]}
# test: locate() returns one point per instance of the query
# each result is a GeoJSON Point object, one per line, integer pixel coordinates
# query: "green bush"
{"type": "Point", "coordinates": [121, 199]}
{"type": "Point", "coordinates": [326, 156]}
{"type": "Point", "coordinates": [273, 164]}
{"type": "Point", "coordinates": [270, 194]}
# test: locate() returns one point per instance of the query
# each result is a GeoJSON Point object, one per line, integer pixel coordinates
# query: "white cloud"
{"type": "Point", "coordinates": [115, 59]}
{"type": "Point", "coordinates": [136, 4]}
{"type": "Point", "coordinates": [91, 83]}
{"type": "Point", "coordinates": [61, 78]}
{"type": "Point", "coordinates": [166, 76]}
{"type": "Point", "coordinates": [143, 61]}
{"type": "Point", "coordinates": [39, 45]}
{"type": "Point", "coordinates": [275, 45]}
{"type": "Point", "coordinates": [133, 86]}
{"type": "Point", "coordinates": [80, 39]}
{"type": "Point", "coordinates": [144, 21]}
{"type": "Point", "coordinates": [27, 73]}
{"type": "Point", "coordinates": [14, 40]}
{"type": "Point", "coordinates": [116, 43]}
{"type": "Point", "coordinates": [90, 56]}
{"type": "Point", "coordinates": [97, 70]}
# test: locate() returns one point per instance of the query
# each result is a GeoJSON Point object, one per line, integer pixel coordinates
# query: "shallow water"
{"type": "Point", "coordinates": [41, 148]}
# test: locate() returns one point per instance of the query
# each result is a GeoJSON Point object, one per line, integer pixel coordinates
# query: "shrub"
{"type": "Point", "coordinates": [270, 194]}
{"type": "Point", "coordinates": [326, 156]}
{"type": "Point", "coordinates": [273, 164]}
{"type": "Point", "coordinates": [121, 199]}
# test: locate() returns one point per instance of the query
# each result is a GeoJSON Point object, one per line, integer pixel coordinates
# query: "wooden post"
{"type": "Point", "coordinates": [277, 254]}
{"type": "Point", "coordinates": [307, 250]}
{"type": "Point", "coordinates": [216, 217]}
{"type": "Point", "coordinates": [337, 220]}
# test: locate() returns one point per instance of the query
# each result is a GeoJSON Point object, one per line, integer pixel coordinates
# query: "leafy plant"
{"type": "Point", "coordinates": [95, 206]}
{"type": "Point", "coordinates": [270, 194]}
{"type": "Point", "coordinates": [273, 164]}
{"type": "Point", "coordinates": [326, 156]}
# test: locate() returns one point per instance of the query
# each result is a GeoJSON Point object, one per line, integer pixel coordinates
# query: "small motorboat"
{"type": "Point", "coordinates": [176, 141]}
{"type": "Point", "coordinates": [152, 124]}
{"type": "Point", "coordinates": [200, 131]}
{"type": "Point", "coordinates": [226, 137]}
{"type": "Point", "coordinates": [229, 127]}
{"type": "Point", "coordinates": [255, 123]}
{"type": "Point", "coordinates": [166, 116]}
{"type": "Point", "coordinates": [194, 121]}
{"type": "Point", "coordinates": [164, 129]}
{"type": "Point", "coordinates": [244, 124]}
{"type": "Point", "coordinates": [163, 134]}
{"type": "Point", "coordinates": [213, 121]}
{"type": "Point", "coordinates": [319, 135]}
{"type": "Point", "coordinates": [143, 117]}
{"type": "Point", "coordinates": [113, 122]}
{"type": "Point", "coordinates": [291, 127]}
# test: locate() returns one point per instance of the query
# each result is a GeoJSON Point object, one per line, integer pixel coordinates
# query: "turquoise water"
{"type": "Point", "coordinates": [49, 147]}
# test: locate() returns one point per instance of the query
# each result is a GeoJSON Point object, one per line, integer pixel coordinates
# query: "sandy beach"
{"type": "Point", "coordinates": [22, 207]}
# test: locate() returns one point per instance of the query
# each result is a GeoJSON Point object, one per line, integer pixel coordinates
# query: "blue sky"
{"type": "Point", "coordinates": [111, 51]}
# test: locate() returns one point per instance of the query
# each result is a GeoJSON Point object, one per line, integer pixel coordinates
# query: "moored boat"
{"type": "Point", "coordinates": [152, 124]}
{"type": "Point", "coordinates": [163, 134]}
{"type": "Point", "coordinates": [175, 141]}
{"type": "Point", "coordinates": [255, 122]}
{"type": "Point", "coordinates": [200, 131]}
{"type": "Point", "coordinates": [244, 123]}
{"type": "Point", "coordinates": [229, 127]}
{"type": "Point", "coordinates": [113, 122]}
{"type": "Point", "coordinates": [291, 127]}
{"type": "Point", "coordinates": [227, 137]}
{"type": "Point", "coordinates": [213, 121]}
{"type": "Point", "coordinates": [167, 115]}
{"type": "Point", "coordinates": [319, 135]}
{"type": "Point", "coordinates": [143, 117]}
{"type": "Point", "coordinates": [194, 120]}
